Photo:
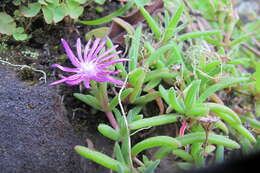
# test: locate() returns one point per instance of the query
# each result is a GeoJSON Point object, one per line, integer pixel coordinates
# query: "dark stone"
{"type": "Point", "coordinates": [35, 136]}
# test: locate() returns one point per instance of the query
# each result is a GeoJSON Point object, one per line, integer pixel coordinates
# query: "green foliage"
{"type": "Point", "coordinates": [109, 17]}
{"type": "Point", "coordinates": [177, 76]}
{"type": "Point", "coordinates": [99, 158]}
{"type": "Point", "coordinates": [8, 27]}
{"type": "Point", "coordinates": [155, 142]}
{"type": "Point", "coordinates": [54, 11]}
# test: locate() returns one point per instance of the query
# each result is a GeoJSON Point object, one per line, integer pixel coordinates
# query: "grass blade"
{"type": "Point", "coordinates": [151, 22]}
{"type": "Point", "coordinates": [109, 17]}
{"type": "Point", "coordinates": [173, 23]}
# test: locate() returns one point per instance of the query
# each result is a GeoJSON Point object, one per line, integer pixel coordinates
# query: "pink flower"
{"type": "Point", "coordinates": [93, 65]}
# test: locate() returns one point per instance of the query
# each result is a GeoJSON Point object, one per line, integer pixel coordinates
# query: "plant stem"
{"type": "Point", "coordinates": [183, 127]}
{"type": "Point", "coordinates": [102, 90]}
{"type": "Point", "coordinates": [112, 120]}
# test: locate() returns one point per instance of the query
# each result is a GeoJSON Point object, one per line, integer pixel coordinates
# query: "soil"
{"type": "Point", "coordinates": [35, 135]}
{"type": "Point", "coordinates": [40, 124]}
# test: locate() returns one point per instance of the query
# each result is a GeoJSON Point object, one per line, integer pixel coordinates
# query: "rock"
{"type": "Point", "coordinates": [35, 136]}
{"type": "Point", "coordinates": [248, 10]}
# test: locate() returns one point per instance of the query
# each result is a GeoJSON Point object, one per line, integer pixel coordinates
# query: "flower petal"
{"type": "Point", "coordinates": [113, 80]}
{"type": "Point", "coordinates": [100, 47]}
{"type": "Point", "coordinates": [86, 83]}
{"type": "Point", "coordinates": [113, 62]}
{"type": "Point", "coordinates": [70, 54]}
{"type": "Point", "coordinates": [110, 72]}
{"type": "Point", "coordinates": [93, 48]}
{"type": "Point", "coordinates": [71, 80]}
{"type": "Point", "coordinates": [109, 57]}
{"type": "Point", "coordinates": [107, 52]}
{"type": "Point", "coordinates": [74, 82]}
{"type": "Point", "coordinates": [79, 51]}
{"type": "Point", "coordinates": [74, 77]}
{"type": "Point", "coordinates": [86, 50]}
{"type": "Point", "coordinates": [98, 78]}
{"type": "Point", "coordinates": [66, 69]}
{"type": "Point", "coordinates": [58, 81]}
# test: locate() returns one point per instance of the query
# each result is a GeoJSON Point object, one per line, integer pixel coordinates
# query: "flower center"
{"type": "Point", "coordinates": [88, 68]}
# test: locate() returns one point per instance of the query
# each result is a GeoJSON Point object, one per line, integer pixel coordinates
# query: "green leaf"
{"type": "Point", "coordinates": [118, 66]}
{"type": "Point", "coordinates": [118, 153]}
{"type": "Point", "coordinates": [219, 158]}
{"type": "Point", "coordinates": [100, 2]}
{"type": "Point", "coordinates": [120, 169]}
{"type": "Point", "coordinates": [160, 74]}
{"type": "Point", "coordinates": [16, 2]}
{"type": "Point", "coordinates": [174, 102]}
{"type": "Point", "coordinates": [129, 28]}
{"type": "Point", "coordinates": [98, 157]}
{"type": "Point", "coordinates": [59, 13]}
{"type": "Point", "coordinates": [134, 49]}
{"type": "Point", "coordinates": [159, 52]}
{"type": "Point", "coordinates": [175, 56]}
{"type": "Point", "coordinates": [151, 168]}
{"type": "Point", "coordinates": [182, 154]}
{"type": "Point", "coordinates": [114, 101]}
{"type": "Point", "coordinates": [54, 2]}
{"type": "Point", "coordinates": [98, 33]}
{"type": "Point", "coordinates": [73, 9]}
{"type": "Point", "coordinates": [212, 138]}
{"type": "Point", "coordinates": [196, 152]}
{"type": "Point", "coordinates": [136, 79]}
{"type": "Point", "coordinates": [83, 1]}
{"type": "Point", "coordinates": [151, 22]}
{"type": "Point", "coordinates": [140, 3]}
{"type": "Point", "coordinates": [42, 2]}
{"type": "Point", "coordinates": [197, 34]}
{"type": "Point", "coordinates": [222, 126]}
{"type": "Point", "coordinates": [155, 142]}
{"type": "Point", "coordinates": [173, 23]}
{"type": "Point", "coordinates": [109, 17]}
{"type": "Point", "coordinates": [108, 132]}
{"type": "Point", "coordinates": [164, 94]}
{"type": "Point", "coordinates": [20, 37]}
{"type": "Point", "coordinates": [120, 120]}
{"type": "Point", "coordinates": [209, 149]}
{"type": "Point", "coordinates": [243, 131]}
{"type": "Point", "coordinates": [162, 152]}
{"type": "Point", "coordinates": [223, 111]}
{"type": "Point", "coordinates": [192, 94]}
{"type": "Point", "coordinates": [7, 24]}
{"type": "Point", "coordinates": [133, 114]}
{"type": "Point", "coordinates": [221, 85]}
{"type": "Point", "coordinates": [147, 98]}
{"type": "Point", "coordinates": [89, 100]}
{"type": "Point", "coordinates": [240, 40]}
{"type": "Point", "coordinates": [253, 122]}
{"type": "Point", "coordinates": [198, 109]}
{"type": "Point", "coordinates": [154, 121]}
{"type": "Point", "coordinates": [47, 14]}
{"type": "Point", "coordinates": [151, 84]}
{"type": "Point", "coordinates": [32, 9]}
{"type": "Point", "coordinates": [126, 146]}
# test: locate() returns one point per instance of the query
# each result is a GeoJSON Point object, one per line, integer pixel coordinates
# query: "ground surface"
{"type": "Point", "coordinates": [34, 135]}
